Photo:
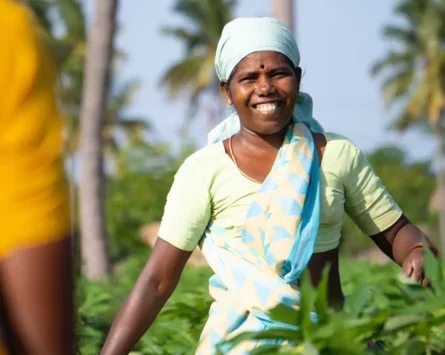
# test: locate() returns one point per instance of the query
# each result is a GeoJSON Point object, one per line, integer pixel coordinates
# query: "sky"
{"type": "Point", "coordinates": [338, 42]}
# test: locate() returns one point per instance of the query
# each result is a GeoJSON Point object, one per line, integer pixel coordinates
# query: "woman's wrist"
{"type": "Point", "coordinates": [429, 245]}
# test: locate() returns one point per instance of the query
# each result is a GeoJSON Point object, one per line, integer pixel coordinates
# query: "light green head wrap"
{"type": "Point", "coordinates": [244, 36]}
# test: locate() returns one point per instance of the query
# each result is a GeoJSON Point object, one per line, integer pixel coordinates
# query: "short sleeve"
{"type": "Point", "coordinates": [368, 202]}
{"type": "Point", "coordinates": [33, 194]}
{"type": "Point", "coordinates": [188, 207]}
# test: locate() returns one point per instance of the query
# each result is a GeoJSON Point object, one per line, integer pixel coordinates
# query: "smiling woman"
{"type": "Point", "coordinates": [264, 202]}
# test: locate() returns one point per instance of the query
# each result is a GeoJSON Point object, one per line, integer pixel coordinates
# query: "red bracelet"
{"type": "Point", "coordinates": [431, 247]}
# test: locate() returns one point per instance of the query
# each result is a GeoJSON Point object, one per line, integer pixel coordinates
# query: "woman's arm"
{"type": "Point", "coordinates": [186, 215]}
{"type": "Point", "coordinates": [372, 208]}
{"type": "Point", "coordinates": [153, 288]}
{"type": "Point", "coordinates": [401, 237]}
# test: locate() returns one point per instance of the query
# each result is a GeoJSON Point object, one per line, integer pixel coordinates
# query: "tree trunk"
{"type": "Point", "coordinates": [441, 181]}
{"type": "Point", "coordinates": [94, 245]}
{"type": "Point", "coordinates": [283, 10]}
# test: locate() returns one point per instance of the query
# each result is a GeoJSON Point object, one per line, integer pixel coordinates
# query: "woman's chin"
{"type": "Point", "coordinates": [272, 124]}
{"type": "Point", "coordinates": [266, 124]}
{"type": "Point", "coordinates": [270, 127]}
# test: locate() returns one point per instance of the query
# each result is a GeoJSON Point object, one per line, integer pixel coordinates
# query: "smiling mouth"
{"type": "Point", "coordinates": [268, 108]}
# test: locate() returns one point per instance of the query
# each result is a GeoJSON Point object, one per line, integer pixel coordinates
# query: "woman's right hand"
{"type": "Point", "coordinates": [153, 287]}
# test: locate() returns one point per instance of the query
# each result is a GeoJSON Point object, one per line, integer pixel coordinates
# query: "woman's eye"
{"type": "Point", "coordinates": [280, 73]}
{"type": "Point", "coordinates": [247, 78]}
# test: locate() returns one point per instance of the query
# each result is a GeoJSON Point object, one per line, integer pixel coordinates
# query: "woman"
{"type": "Point", "coordinates": [36, 273]}
{"type": "Point", "coordinates": [263, 204]}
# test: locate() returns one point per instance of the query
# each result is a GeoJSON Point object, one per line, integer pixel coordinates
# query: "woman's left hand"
{"type": "Point", "coordinates": [413, 266]}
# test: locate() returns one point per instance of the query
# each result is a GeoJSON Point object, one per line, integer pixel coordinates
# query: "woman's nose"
{"type": "Point", "coordinates": [264, 87]}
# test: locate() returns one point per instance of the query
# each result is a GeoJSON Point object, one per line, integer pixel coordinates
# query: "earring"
{"type": "Point", "coordinates": [230, 107]}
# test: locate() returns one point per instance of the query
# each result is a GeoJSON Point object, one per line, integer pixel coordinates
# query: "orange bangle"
{"type": "Point", "coordinates": [431, 247]}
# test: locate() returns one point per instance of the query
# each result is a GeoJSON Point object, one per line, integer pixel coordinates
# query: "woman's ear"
{"type": "Point", "coordinates": [225, 89]}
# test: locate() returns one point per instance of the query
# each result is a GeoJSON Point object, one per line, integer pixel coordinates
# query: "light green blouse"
{"type": "Point", "coordinates": [208, 186]}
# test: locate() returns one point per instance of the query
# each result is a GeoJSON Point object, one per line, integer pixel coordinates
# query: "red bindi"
{"type": "Point", "coordinates": [262, 66]}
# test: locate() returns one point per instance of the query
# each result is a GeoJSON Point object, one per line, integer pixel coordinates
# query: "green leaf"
{"type": "Point", "coordinates": [307, 296]}
{"type": "Point", "coordinates": [434, 271]}
{"type": "Point", "coordinates": [309, 349]}
{"type": "Point", "coordinates": [321, 301]}
{"type": "Point", "coordinates": [355, 302]}
{"type": "Point", "coordinates": [403, 321]}
{"type": "Point", "coordinates": [285, 314]}
{"type": "Point", "coordinates": [282, 334]}
{"type": "Point", "coordinates": [410, 347]}
{"type": "Point", "coordinates": [270, 350]}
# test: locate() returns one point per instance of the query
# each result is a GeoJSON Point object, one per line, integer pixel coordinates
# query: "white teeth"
{"type": "Point", "coordinates": [265, 108]}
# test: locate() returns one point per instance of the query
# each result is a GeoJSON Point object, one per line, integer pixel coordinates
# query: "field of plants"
{"type": "Point", "coordinates": [381, 305]}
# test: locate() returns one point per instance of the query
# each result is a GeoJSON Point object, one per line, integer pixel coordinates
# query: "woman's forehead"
{"type": "Point", "coordinates": [263, 58]}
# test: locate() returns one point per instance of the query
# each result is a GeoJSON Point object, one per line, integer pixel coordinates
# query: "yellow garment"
{"type": "Point", "coordinates": [209, 186]}
{"type": "Point", "coordinates": [33, 194]}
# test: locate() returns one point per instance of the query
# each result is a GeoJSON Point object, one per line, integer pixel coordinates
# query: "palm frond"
{"type": "Point", "coordinates": [194, 74]}
{"type": "Point", "coordinates": [222, 12]}
{"type": "Point", "coordinates": [395, 60]}
{"type": "Point", "coordinates": [73, 19]}
{"type": "Point", "coordinates": [111, 147]}
{"type": "Point", "coordinates": [419, 100]}
{"type": "Point", "coordinates": [429, 31]}
{"type": "Point", "coordinates": [396, 86]}
{"type": "Point", "coordinates": [41, 10]}
{"type": "Point", "coordinates": [199, 12]}
{"type": "Point", "coordinates": [405, 36]}
{"type": "Point", "coordinates": [191, 40]}
{"type": "Point", "coordinates": [122, 94]}
{"type": "Point", "coordinates": [133, 124]}
{"type": "Point", "coordinates": [405, 121]}
{"type": "Point", "coordinates": [436, 107]}
{"type": "Point", "coordinates": [204, 77]}
{"type": "Point", "coordinates": [181, 76]}
{"type": "Point", "coordinates": [412, 10]}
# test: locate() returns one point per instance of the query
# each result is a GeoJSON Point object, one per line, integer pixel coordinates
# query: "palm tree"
{"type": "Point", "coordinates": [69, 44]}
{"type": "Point", "coordinates": [415, 76]}
{"type": "Point", "coordinates": [93, 109]}
{"type": "Point", "coordinates": [194, 73]}
{"type": "Point", "coordinates": [283, 10]}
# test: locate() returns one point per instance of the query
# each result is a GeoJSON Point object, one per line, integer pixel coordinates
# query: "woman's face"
{"type": "Point", "coordinates": [263, 88]}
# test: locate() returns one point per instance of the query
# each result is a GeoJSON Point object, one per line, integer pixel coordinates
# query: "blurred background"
{"type": "Point", "coordinates": [375, 70]}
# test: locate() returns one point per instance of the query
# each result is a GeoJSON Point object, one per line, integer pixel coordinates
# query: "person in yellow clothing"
{"type": "Point", "coordinates": [36, 280]}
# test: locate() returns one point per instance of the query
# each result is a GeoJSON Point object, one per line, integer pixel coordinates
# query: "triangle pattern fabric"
{"type": "Point", "coordinates": [258, 268]}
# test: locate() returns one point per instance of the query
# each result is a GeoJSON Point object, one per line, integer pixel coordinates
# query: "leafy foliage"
{"type": "Point", "coordinates": [408, 318]}
{"type": "Point", "coordinates": [177, 329]}
{"type": "Point", "coordinates": [136, 194]}
{"type": "Point", "coordinates": [380, 305]}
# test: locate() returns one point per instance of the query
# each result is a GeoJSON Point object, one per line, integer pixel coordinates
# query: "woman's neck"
{"type": "Point", "coordinates": [259, 143]}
